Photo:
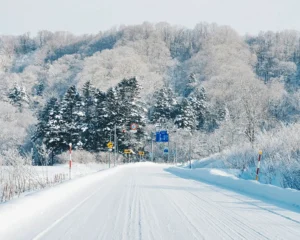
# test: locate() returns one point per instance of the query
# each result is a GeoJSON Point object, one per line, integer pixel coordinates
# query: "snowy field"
{"type": "Point", "coordinates": [19, 180]}
{"type": "Point", "coordinates": [147, 201]}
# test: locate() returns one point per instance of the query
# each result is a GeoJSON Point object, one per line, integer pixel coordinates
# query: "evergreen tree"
{"type": "Point", "coordinates": [186, 117]}
{"type": "Point", "coordinates": [114, 114]}
{"type": "Point", "coordinates": [18, 96]}
{"type": "Point", "coordinates": [71, 112]}
{"type": "Point", "coordinates": [124, 109]}
{"type": "Point", "coordinates": [53, 138]}
{"type": "Point", "coordinates": [135, 112]}
{"type": "Point", "coordinates": [100, 122]}
{"type": "Point", "coordinates": [190, 86]}
{"type": "Point", "coordinates": [164, 105]}
{"type": "Point", "coordinates": [199, 105]}
{"type": "Point", "coordinates": [87, 125]}
{"type": "Point", "coordinates": [48, 129]}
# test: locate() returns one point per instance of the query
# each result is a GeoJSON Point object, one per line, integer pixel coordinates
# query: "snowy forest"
{"type": "Point", "coordinates": [219, 94]}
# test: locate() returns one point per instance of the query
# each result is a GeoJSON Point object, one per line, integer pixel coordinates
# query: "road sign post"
{"type": "Point", "coordinates": [152, 133]}
{"type": "Point", "coordinates": [258, 164]}
{"type": "Point", "coordinates": [169, 149]}
{"type": "Point", "coordinates": [141, 153]}
{"type": "Point", "coordinates": [110, 146]}
{"type": "Point", "coordinates": [70, 159]}
{"type": "Point", "coordinates": [133, 127]}
{"type": "Point", "coordinates": [115, 144]}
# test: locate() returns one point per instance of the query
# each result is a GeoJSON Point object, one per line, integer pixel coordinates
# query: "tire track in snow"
{"type": "Point", "coordinates": [257, 228]}
{"type": "Point", "coordinates": [188, 222]}
{"type": "Point", "coordinates": [41, 234]}
{"type": "Point", "coordinates": [224, 222]}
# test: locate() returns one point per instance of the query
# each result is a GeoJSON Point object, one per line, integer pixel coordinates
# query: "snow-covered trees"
{"type": "Point", "coordinates": [125, 109]}
{"type": "Point", "coordinates": [226, 88]}
{"type": "Point", "coordinates": [164, 105]}
{"type": "Point", "coordinates": [186, 117]}
{"type": "Point", "coordinates": [87, 124]}
{"type": "Point", "coordinates": [71, 112]}
{"type": "Point", "coordinates": [18, 96]}
{"type": "Point", "coordinates": [88, 120]}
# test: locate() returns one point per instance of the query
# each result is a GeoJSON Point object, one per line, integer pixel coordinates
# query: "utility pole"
{"type": "Point", "coordinates": [169, 147]}
{"type": "Point", "coordinates": [258, 164]}
{"type": "Point", "coordinates": [109, 150]}
{"type": "Point", "coordinates": [190, 149]}
{"type": "Point", "coordinates": [70, 159]}
{"type": "Point", "coordinates": [115, 140]}
{"type": "Point", "coordinates": [175, 154]}
{"type": "Point", "coordinates": [190, 158]}
{"type": "Point", "coordinates": [152, 146]}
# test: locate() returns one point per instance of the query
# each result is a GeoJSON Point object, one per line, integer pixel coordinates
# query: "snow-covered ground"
{"type": "Point", "coordinates": [281, 173]}
{"type": "Point", "coordinates": [145, 201]}
{"type": "Point", "coordinates": [78, 169]}
{"type": "Point", "coordinates": [273, 176]}
{"type": "Point", "coordinates": [19, 180]}
{"type": "Point", "coordinates": [288, 197]}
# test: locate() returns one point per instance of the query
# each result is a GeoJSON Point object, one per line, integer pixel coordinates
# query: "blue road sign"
{"type": "Point", "coordinates": [162, 136]}
{"type": "Point", "coordinates": [157, 138]}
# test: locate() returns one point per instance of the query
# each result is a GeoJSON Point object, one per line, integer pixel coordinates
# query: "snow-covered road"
{"type": "Point", "coordinates": [142, 201]}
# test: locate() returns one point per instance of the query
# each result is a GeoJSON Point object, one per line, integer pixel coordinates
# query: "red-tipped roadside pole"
{"type": "Point", "coordinates": [258, 164]}
{"type": "Point", "coordinates": [70, 160]}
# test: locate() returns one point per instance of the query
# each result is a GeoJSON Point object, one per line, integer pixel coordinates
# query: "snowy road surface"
{"type": "Point", "coordinates": [142, 201]}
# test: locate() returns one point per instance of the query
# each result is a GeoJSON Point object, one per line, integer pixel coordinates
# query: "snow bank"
{"type": "Point", "coordinates": [18, 180]}
{"type": "Point", "coordinates": [253, 188]}
{"type": "Point", "coordinates": [38, 203]}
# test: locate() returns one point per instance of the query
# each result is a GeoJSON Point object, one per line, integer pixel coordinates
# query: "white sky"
{"type": "Point", "coordinates": [92, 16]}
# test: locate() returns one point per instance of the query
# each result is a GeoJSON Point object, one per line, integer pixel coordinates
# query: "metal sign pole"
{"type": "Point", "coordinates": [169, 148]}
{"type": "Point", "coordinates": [115, 140]}
{"type": "Point", "coordinates": [70, 160]}
{"type": "Point", "coordinates": [152, 146]}
{"type": "Point", "coordinates": [109, 150]}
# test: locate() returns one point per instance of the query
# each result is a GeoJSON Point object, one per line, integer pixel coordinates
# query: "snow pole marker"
{"type": "Point", "coordinates": [70, 160]}
{"type": "Point", "coordinates": [258, 164]}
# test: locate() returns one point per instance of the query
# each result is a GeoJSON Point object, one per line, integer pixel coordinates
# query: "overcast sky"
{"type": "Point", "coordinates": [92, 16]}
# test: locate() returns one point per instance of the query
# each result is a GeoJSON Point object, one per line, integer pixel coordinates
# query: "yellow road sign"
{"type": "Point", "coordinates": [127, 151]}
{"type": "Point", "coordinates": [110, 145]}
{"type": "Point", "coordinates": [141, 153]}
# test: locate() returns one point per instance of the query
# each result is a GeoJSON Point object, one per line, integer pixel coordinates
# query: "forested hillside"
{"type": "Point", "coordinates": [230, 94]}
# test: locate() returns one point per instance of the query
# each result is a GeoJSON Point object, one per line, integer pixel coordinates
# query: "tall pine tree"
{"type": "Point", "coordinates": [198, 101]}
{"type": "Point", "coordinates": [48, 129]}
{"type": "Point", "coordinates": [87, 125]}
{"type": "Point", "coordinates": [18, 96]}
{"type": "Point", "coordinates": [100, 121]}
{"type": "Point", "coordinates": [186, 117]}
{"type": "Point", "coordinates": [163, 109]}
{"type": "Point", "coordinates": [71, 112]}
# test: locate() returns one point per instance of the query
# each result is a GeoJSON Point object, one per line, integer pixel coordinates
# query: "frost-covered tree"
{"type": "Point", "coordinates": [53, 138]}
{"type": "Point", "coordinates": [18, 96]}
{"type": "Point", "coordinates": [100, 121]}
{"type": "Point", "coordinates": [88, 108]}
{"type": "Point", "coordinates": [48, 129]}
{"type": "Point", "coordinates": [165, 102]}
{"type": "Point", "coordinates": [186, 117]}
{"type": "Point", "coordinates": [199, 104]}
{"type": "Point", "coordinates": [71, 112]}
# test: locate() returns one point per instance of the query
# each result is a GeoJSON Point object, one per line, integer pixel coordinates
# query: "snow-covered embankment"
{"type": "Point", "coordinates": [218, 177]}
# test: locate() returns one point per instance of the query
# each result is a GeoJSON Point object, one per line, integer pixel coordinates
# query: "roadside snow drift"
{"type": "Point", "coordinates": [253, 188]}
